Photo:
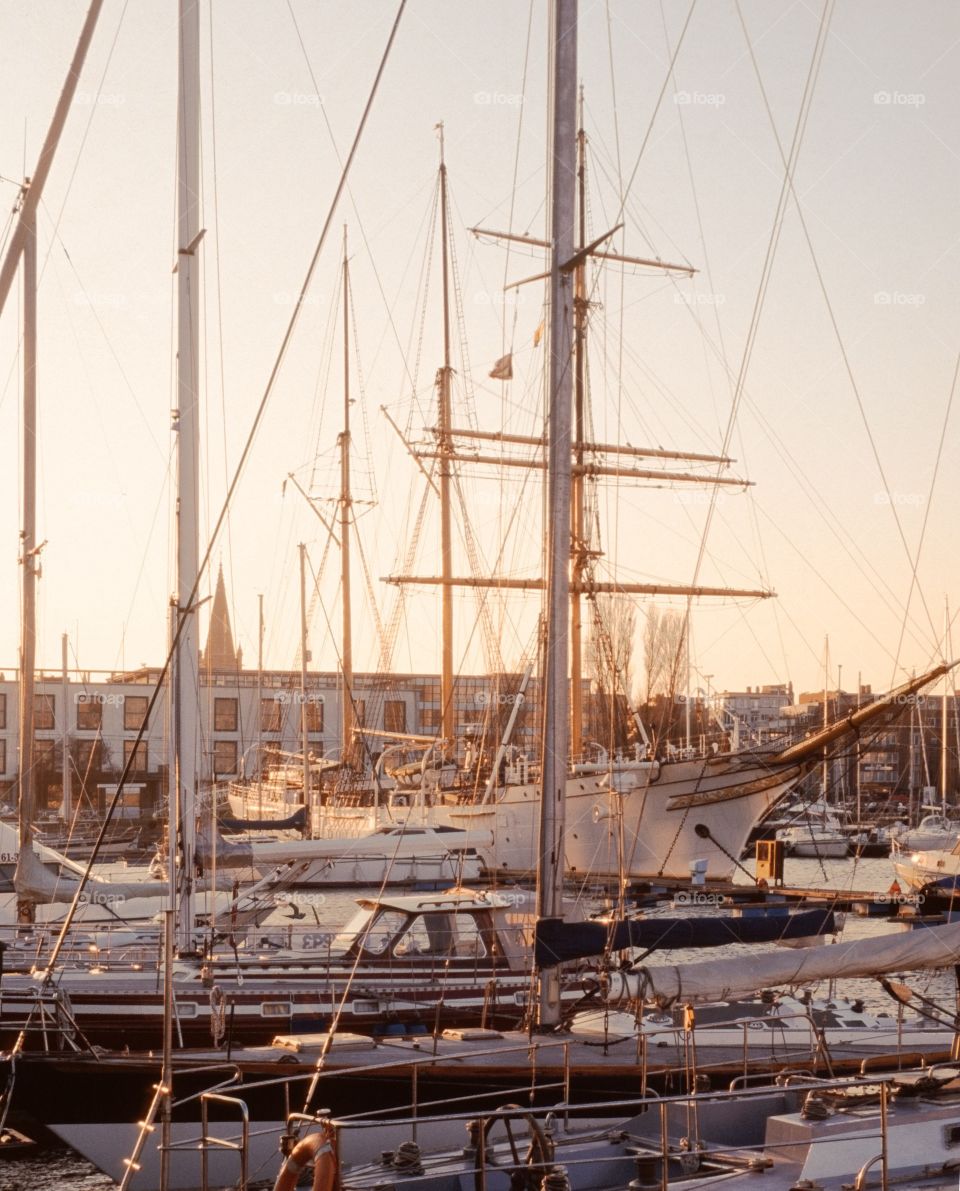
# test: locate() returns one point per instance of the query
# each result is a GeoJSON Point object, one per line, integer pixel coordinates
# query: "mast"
{"type": "Point", "coordinates": [304, 734]}
{"type": "Point", "coordinates": [944, 711]}
{"type": "Point", "coordinates": [25, 229]}
{"type": "Point", "coordinates": [66, 799]}
{"type": "Point", "coordinates": [346, 504]}
{"type": "Point", "coordinates": [824, 764]}
{"type": "Point", "coordinates": [445, 447]}
{"type": "Point", "coordinates": [187, 428]}
{"type": "Point", "coordinates": [563, 167]}
{"type": "Point", "coordinates": [578, 548]}
{"type": "Point", "coordinates": [28, 541]}
{"type": "Point", "coordinates": [260, 705]}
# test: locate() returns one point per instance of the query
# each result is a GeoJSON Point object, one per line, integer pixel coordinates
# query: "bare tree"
{"type": "Point", "coordinates": [609, 664]}
{"type": "Point", "coordinates": [664, 651]}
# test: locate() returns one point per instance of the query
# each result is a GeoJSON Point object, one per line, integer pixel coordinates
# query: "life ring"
{"type": "Point", "coordinates": [318, 1149]}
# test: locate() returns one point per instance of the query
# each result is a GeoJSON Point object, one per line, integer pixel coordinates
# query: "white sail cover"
{"type": "Point", "coordinates": [742, 976]}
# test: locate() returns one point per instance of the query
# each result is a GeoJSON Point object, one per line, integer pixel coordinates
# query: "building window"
{"type": "Point", "coordinates": [3, 756]}
{"type": "Point", "coordinates": [134, 712]}
{"type": "Point", "coordinates": [139, 754]}
{"type": "Point", "coordinates": [89, 713]}
{"type": "Point", "coordinates": [313, 707]}
{"type": "Point", "coordinates": [3, 710]}
{"type": "Point", "coordinates": [360, 712]}
{"type": "Point", "coordinates": [431, 692]}
{"type": "Point", "coordinates": [45, 754]}
{"type": "Point", "coordinates": [271, 715]}
{"type": "Point", "coordinates": [224, 758]}
{"type": "Point", "coordinates": [430, 717]}
{"type": "Point", "coordinates": [225, 715]}
{"type": "Point", "coordinates": [86, 755]}
{"type": "Point", "coordinates": [394, 715]}
{"type": "Point", "coordinates": [44, 713]}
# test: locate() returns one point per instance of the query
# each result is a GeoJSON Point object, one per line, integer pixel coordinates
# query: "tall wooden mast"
{"type": "Point", "coordinates": [578, 531]}
{"type": "Point", "coordinates": [346, 503]}
{"type": "Point", "coordinates": [445, 449]}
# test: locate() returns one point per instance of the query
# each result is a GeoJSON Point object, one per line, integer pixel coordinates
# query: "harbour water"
{"type": "Point", "coordinates": [48, 1168]}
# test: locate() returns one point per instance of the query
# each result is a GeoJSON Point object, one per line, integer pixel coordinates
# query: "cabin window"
{"type": "Point", "coordinates": [224, 758]}
{"type": "Point", "coordinates": [383, 931]}
{"type": "Point", "coordinates": [186, 1009]}
{"type": "Point", "coordinates": [951, 1136]}
{"type": "Point", "coordinates": [138, 753]}
{"type": "Point", "coordinates": [134, 712]}
{"type": "Point", "coordinates": [89, 713]}
{"type": "Point", "coordinates": [394, 715]}
{"type": "Point", "coordinates": [225, 715]}
{"type": "Point", "coordinates": [271, 715]}
{"type": "Point", "coordinates": [44, 712]}
{"type": "Point", "coordinates": [275, 1009]}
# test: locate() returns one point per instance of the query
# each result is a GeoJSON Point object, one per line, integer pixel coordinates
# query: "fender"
{"type": "Point", "coordinates": [318, 1149]}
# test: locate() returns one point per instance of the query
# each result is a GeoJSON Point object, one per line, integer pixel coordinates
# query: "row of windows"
{"type": "Point", "coordinates": [87, 756]}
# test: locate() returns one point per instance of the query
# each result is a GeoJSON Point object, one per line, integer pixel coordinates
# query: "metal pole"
{"type": "Point", "coordinates": [25, 229]}
{"type": "Point", "coordinates": [260, 706]}
{"type": "Point", "coordinates": [563, 172]}
{"type": "Point", "coordinates": [187, 427]}
{"type": "Point", "coordinates": [28, 546]}
{"type": "Point", "coordinates": [66, 799]}
{"type": "Point", "coordinates": [944, 711]}
{"type": "Point", "coordinates": [166, 1068]}
{"type": "Point", "coordinates": [304, 735]}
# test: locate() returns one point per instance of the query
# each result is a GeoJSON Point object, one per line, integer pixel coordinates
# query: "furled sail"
{"type": "Point", "coordinates": [557, 942]}
{"type": "Point", "coordinates": [722, 979]}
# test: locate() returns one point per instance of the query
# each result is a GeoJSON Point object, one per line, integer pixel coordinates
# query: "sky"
{"type": "Point", "coordinates": [821, 346]}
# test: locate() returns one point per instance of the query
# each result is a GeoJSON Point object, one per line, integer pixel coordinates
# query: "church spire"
{"type": "Point", "coordinates": [220, 653]}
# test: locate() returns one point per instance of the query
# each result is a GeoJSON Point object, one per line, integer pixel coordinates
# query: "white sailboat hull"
{"type": "Point", "coordinates": [673, 813]}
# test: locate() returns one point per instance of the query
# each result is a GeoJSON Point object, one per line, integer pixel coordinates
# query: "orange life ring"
{"type": "Point", "coordinates": [318, 1149]}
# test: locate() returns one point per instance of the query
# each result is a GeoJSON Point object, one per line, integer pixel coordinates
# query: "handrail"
{"type": "Point", "coordinates": [207, 1141]}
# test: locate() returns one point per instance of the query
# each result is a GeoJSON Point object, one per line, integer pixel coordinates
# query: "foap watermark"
{"type": "Point", "coordinates": [101, 99]}
{"type": "Point", "coordinates": [483, 699]}
{"type": "Point", "coordinates": [498, 98]}
{"type": "Point", "coordinates": [297, 99]}
{"type": "Point", "coordinates": [108, 700]}
{"type": "Point", "coordinates": [910, 700]}
{"type": "Point", "coordinates": [896, 297]}
{"type": "Point", "coordinates": [702, 497]}
{"type": "Point", "coordinates": [300, 897]}
{"type": "Point", "coordinates": [900, 499]}
{"type": "Point", "coordinates": [99, 299]}
{"type": "Point", "coordinates": [899, 99]}
{"type": "Point", "coordinates": [692, 897]}
{"type": "Point", "coordinates": [283, 297]}
{"type": "Point", "coordinates": [297, 697]}
{"type": "Point", "coordinates": [707, 99]}
{"type": "Point", "coordinates": [699, 299]}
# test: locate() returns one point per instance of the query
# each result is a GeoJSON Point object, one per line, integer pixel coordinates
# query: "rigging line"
{"type": "Point", "coordinates": [423, 297]}
{"type": "Point", "coordinates": [248, 446]}
{"type": "Point", "coordinates": [655, 112]}
{"type": "Point", "coordinates": [86, 133]}
{"type": "Point", "coordinates": [91, 306]}
{"type": "Point", "coordinates": [929, 503]}
{"type": "Point", "coordinates": [840, 343]}
{"type": "Point", "coordinates": [219, 293]}
{"type": "Point", "coordinates": [786, 190]}
{"type": "Point", "coordinates": [353, 203]}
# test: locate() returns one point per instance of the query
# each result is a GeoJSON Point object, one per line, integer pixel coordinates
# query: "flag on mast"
{"type": "Point", "coordinates": [503, 369]}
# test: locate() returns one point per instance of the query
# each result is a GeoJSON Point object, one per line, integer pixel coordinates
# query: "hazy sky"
{"type": "Point", "coordinates": [847, 388]}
